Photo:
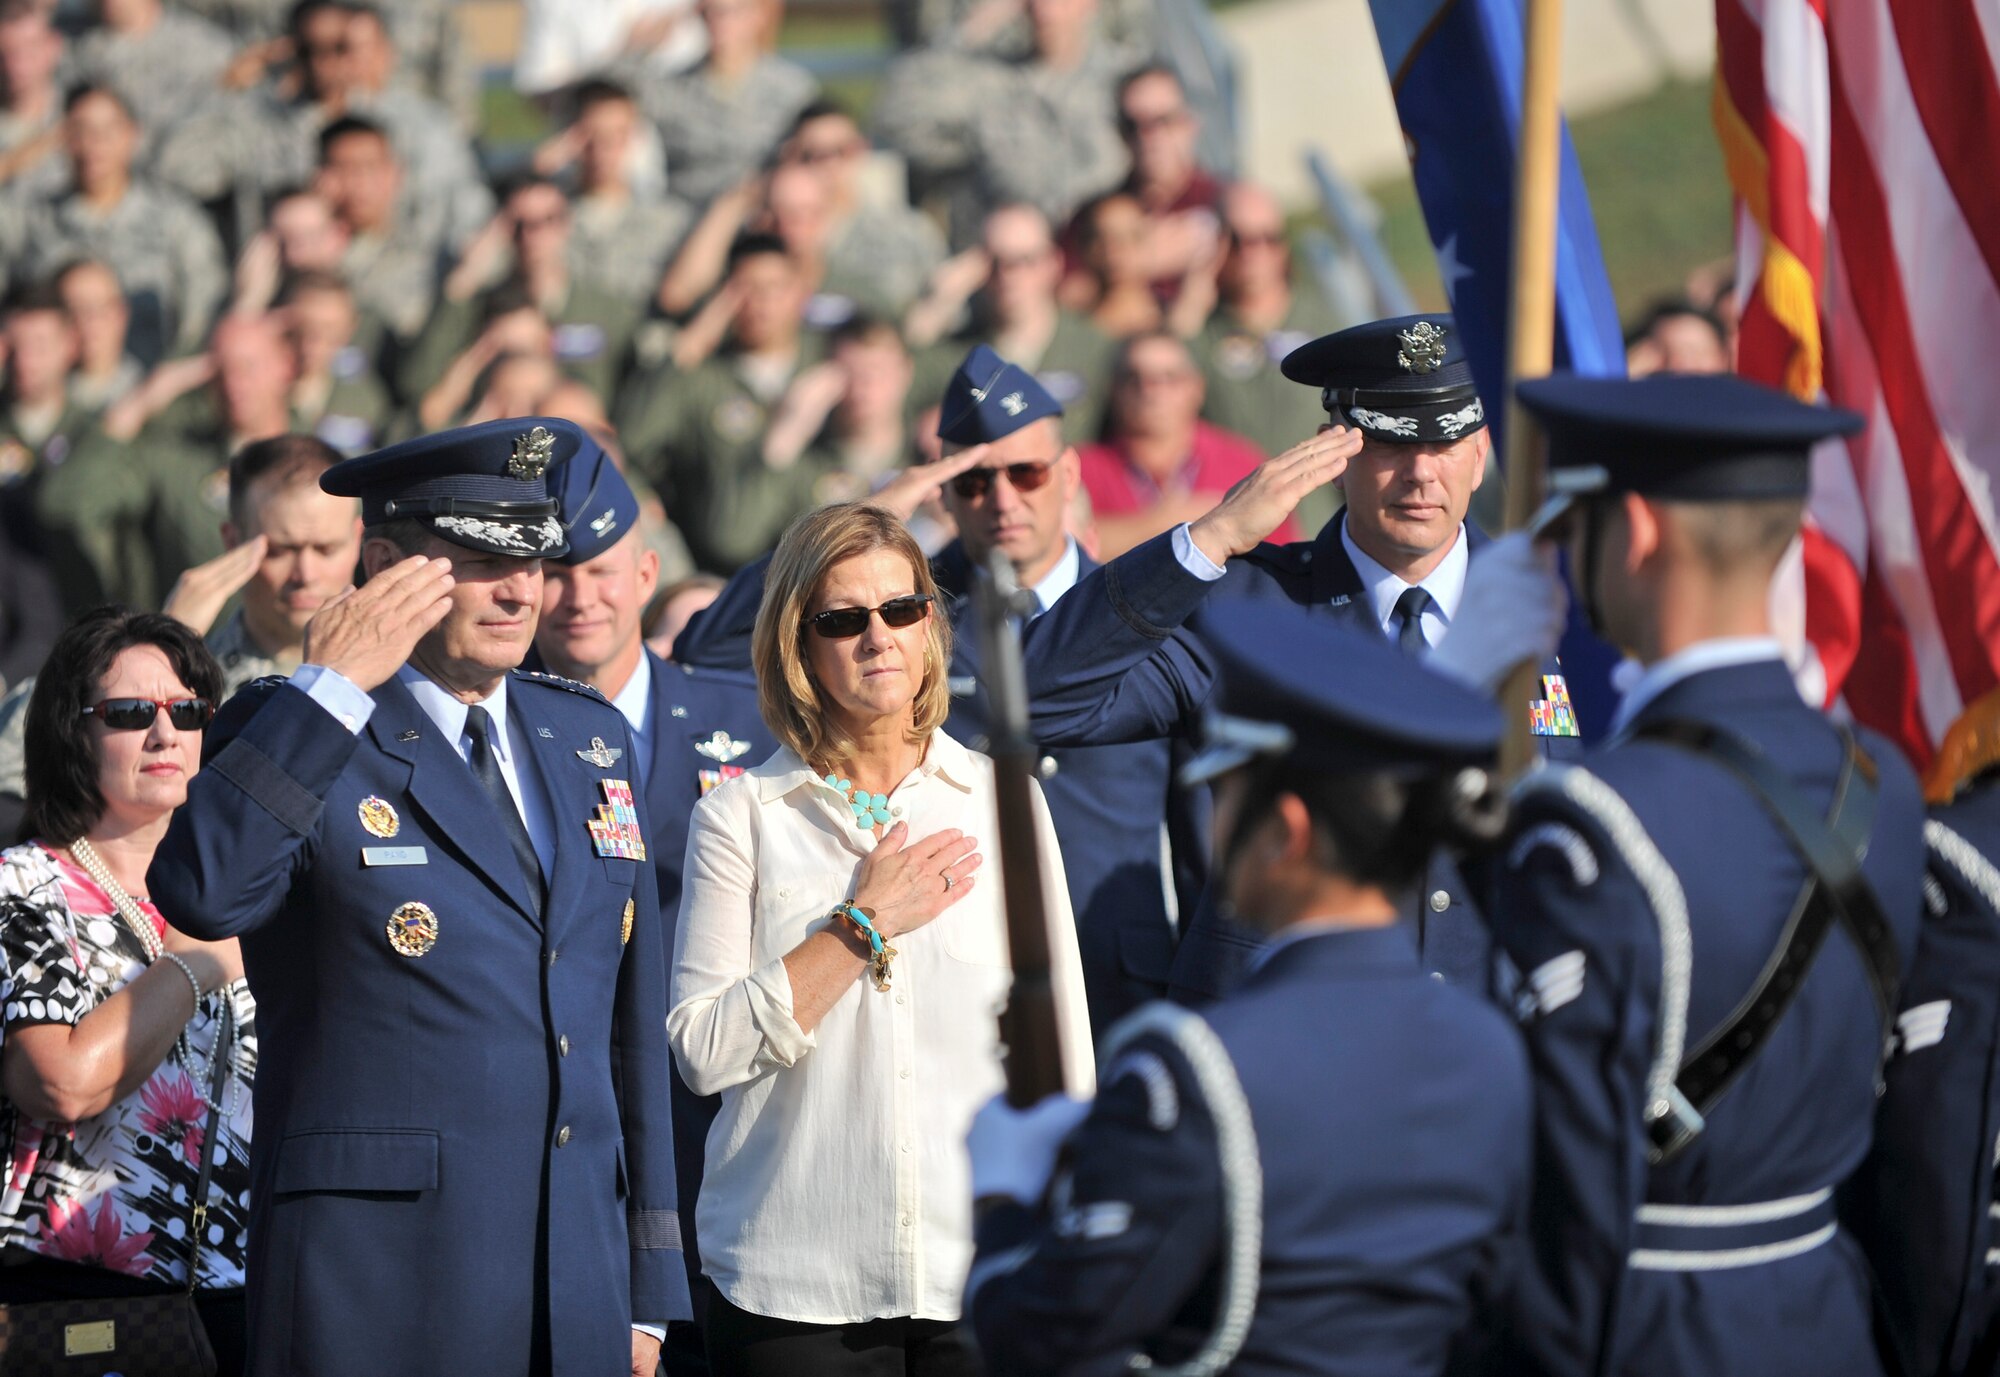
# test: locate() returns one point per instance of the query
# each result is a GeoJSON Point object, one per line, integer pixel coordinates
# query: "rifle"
{"type": "Point", "coordinates": [1028, 1027]}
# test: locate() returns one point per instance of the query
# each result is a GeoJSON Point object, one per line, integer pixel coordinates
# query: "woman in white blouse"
{"type": "Point", "coordinates": [835, 1211]}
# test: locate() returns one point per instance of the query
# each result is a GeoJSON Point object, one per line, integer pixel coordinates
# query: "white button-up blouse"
{"type": "Point", "coordinates": [837, 1187]}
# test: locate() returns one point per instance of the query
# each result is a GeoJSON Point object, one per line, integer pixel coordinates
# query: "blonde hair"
{"type": "Point", "coordinates": [787, 697]}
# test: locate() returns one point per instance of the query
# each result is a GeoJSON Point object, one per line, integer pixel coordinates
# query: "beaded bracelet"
{"type": "Point", "coordinates": [187, 971]}
{"type": "Point", "coordinates": [862, 921]}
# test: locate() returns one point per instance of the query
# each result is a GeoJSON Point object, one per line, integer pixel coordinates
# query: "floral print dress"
{"type": "Point", "coordinates": [112, 1191]}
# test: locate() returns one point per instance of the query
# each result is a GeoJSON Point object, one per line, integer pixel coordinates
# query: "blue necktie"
{"type": "Point", "coordinates": [485, 769]}
{"type": "Point", "coordinates": [1410, 609]}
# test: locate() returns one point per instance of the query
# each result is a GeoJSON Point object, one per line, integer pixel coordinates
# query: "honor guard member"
{"type": "Point", "coordinates": [1923, 1205]}
{"type": "Point", "coordinates": [691, 729]}
{"type": "Point", "coordinates": [1281, 1182]}
{"type": "Point", "coordinates": [437, 866]}
{"type": "Point", "coordinates": [1712, 911]}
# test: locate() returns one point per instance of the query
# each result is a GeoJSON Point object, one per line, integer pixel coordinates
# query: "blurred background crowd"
{"type": "Point", "coordinates": [687, 225]}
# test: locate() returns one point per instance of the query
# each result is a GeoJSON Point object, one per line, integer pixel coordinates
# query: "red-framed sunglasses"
{"type": "Point", "coordinates": [137, 714]}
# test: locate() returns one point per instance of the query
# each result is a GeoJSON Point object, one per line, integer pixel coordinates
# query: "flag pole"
{"type": "Point", "coordinates": [1531, 317]}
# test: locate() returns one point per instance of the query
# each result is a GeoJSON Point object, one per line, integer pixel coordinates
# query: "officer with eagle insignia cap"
{"type": "Point", "coordinates": [437, 866]}
{"type": "Point", "coordinates": [1713, 911]}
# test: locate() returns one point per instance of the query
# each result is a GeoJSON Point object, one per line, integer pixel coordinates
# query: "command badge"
{"type": "Point", "coordinates": [413, 929]}
{"type": "Point", "coordinates": [533, 453]}
{"type": "Point", "coordinates": [599, 754]}
{"type": "Point", "coordinates": [720, 747]}
{"type": "Point", "coordinates": [615, 829]}
{"type": "Point", "coordinates": [1423, 348]}
{"type": "Point", "coordinates": [625, 932]}
{"type": "Point", "coordinates": [378, 817]}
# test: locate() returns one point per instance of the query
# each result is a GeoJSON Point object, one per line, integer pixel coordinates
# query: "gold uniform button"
{"type": "Point", "coordinates": [562, 1044]}
{"type": "Point", "coordinates": [562, 1136]}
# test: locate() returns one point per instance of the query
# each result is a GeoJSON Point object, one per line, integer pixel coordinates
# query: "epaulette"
{"type": "Point", "coordinates": [573, 685]}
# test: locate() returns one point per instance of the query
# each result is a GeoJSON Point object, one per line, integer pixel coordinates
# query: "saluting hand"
{"type": "Point", "coordinates": [1261, 502]}
{"type": "Point", "coordinates": [367, 633]}
{"type": "Point", "coordinates": [919, 483]}
{"type": "Point", "coordinates": [199, 594]}
{"type": "Point", "coordinates": [904, 883]}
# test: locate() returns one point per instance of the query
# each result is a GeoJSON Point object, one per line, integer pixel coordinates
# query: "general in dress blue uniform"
{"type": "Point", "coordinates": [1712, 913]}
{"type": "Point", "coordinates": [451, 923]}
{"type": "Point", "coordinates": [1327, 1171]}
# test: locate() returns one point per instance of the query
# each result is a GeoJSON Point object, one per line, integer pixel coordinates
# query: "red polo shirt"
{"type": "Point", "coordinates": [1216, 461]}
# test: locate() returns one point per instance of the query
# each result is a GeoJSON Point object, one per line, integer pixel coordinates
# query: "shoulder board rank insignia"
{"type": "Point", "coordinates": [601, 755]}
{"type": "Point", "coordinates": [413, 929]}
{"type": "Point", "coordinates": [533, 453]}
{"type": "Point", "coordinates": [1423, 348]}
{"type": "Point", "coordinates": [573, 685]}
{"type": "Point", "coordinates": [625, 928]}
{"type": "Point", "coordinates": [721, 747]}
{"type": "Point", "coordinates": [378, 817]}
{"type": "Point", "coordinates": [1552, 715]}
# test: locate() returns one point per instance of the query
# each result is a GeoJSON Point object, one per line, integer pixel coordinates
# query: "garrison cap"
{"type": "Point", "coordinates": [484, 487]}
{"type": "Point", "coordinates": [594, 502]}
{"type": "Point", "coordinates": [989, 399]}
{"type": "Point", "coordinates": [1405, 380]}
{"type": "Point", "coordinates": [1332, 698]}
{"type": "Point", "coordinates": [1688, 437]}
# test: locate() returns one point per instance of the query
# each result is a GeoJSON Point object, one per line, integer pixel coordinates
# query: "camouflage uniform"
{"type": "Point", "coordinates": [881, 258]}
{"type": "Point", "coordinates": [26, 450]}
{"type": "Point", "coordinates": [164, 74]}
{"type": "Point", "coordinates": [593, 340]}
{"type": "Point", "coordinates": [623, 249]}
{"type": "Point", "coordinates": [1075, 368]}
{"type": "Point", "coordinates": [166, 254]}
{"type": "Point", "coordinates": [46, 178]}
{"type": "Point", "coordinates": [698, 438]}
{"type": "Point", "coordinates": [394, 277]}
{"type": "Point", "coordinates": [357, 414]}
{"type": "Point", "coordinates": [1247, 393]}
{"type": "Point", "coordinates": [716, 135]}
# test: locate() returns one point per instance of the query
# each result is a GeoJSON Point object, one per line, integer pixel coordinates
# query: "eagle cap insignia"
{"type": "Point", "coordinates": [1013, 403]}
{"type": "Point", "coordinates": [1423, 348]}
{"type": "Point", "coordinates": [533, 453]}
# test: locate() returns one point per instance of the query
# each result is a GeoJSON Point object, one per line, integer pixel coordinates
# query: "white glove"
{"type": "Point", "coordinates": [1014, 1150]}
{"type": "Point", "coordinates": [1512, 611]}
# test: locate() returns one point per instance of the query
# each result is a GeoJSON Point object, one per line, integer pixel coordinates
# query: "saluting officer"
{"type": "Point", "coordinates": [437, 867]}
{"type": "Point", "coordinates": [1327, 1171]}
{"type": "Point", "coordinates": [1923, 1205]}
{"type": "Point", "coordinates": [691, 729]}
{"type": "Point", "coordinates": [1712, 913]}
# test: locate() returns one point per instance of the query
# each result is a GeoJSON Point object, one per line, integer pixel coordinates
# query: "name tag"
{"type": "Point", "coordinates": [394, 855]}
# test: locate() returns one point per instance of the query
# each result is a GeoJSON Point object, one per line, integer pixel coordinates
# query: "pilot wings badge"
{"type": "Point", "coordinates": [721, 747]}
{"type": "Point", "coordinates": [601, 755]}
{"type": "Point", "coordinates": [533, 453]}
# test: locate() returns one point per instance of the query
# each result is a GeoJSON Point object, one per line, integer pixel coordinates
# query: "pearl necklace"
{"type": "Point", "coordinates": [141, 927]}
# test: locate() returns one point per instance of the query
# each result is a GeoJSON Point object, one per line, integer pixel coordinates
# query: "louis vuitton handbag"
{"type": "Point", "coordinates": [132, 1336]}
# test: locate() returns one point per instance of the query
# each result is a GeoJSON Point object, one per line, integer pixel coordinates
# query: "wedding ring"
{"type": "Point", "coordinates": [948, 882]}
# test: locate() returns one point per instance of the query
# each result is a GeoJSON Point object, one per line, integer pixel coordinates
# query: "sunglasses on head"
{"type": "Point", "coordinates": [137, 714]}
{"type": "Point", "coordinates": [1026, 477]}
{"type": "Point", "coordinates": [840, 623]}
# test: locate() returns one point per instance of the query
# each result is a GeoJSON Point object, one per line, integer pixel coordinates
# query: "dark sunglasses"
{"type": "Point", "coordinates": [137, 714]}
{"type": "Point", "coordinates": [839, 623]}
{"type": "Point", "coordinates": [976, 483]}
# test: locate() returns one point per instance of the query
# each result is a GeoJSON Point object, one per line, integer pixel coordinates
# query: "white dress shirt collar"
{"type": "Point", "coordinates": [1724, 652]}
{"type": "Point", "coordinates": [633, 699]}
{"type": "Point", "coordinates": [1062, 578]}
{"type": "Point", "coordinates": [1445, 584]}
{"type": "Point", "coordinates": [449, 713]}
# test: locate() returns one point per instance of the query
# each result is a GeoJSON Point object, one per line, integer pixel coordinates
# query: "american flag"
{"type": "Point", "coordinates": [1860, 139]}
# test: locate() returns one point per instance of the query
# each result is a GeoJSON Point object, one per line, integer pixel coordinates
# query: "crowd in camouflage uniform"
{"type": "Point", "coordinates": [226, 219]}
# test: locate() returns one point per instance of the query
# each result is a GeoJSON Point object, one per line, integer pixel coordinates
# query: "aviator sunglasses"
{"type": "Point", "coordinates": [974, 484]}
{"type": "Point", "coordinates": [137, 714]}
{"type": "Point", "coordinates": [839, 623]}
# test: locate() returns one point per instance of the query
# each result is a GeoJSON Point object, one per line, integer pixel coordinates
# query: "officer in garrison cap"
{"type": "Point", "coordinates": [1406, 439]}
{"type": "Point", "coordinates": [1713, 911]}
{"type": "Point", "coordinates": [1008, 478]}
{"type": "Point", "coordinates": [437, 865]}
{"type": "Point", "coordinates": [691, 729]}
{"type": "Point", "coordinates": [1327, 1171]}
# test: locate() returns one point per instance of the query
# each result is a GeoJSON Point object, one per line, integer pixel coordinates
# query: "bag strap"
{"type": "Point", "coordinates": [198, 1202]}
{"type": "Point", "coordinates": [1835, 891]}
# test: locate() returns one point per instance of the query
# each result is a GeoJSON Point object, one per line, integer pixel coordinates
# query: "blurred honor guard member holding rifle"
{"type": "Point", "coordinates": [1327, 1171]}
{"type": "Point", "coordinates": [1712, 913]}
{"type": "Point", "coordinates": [437, 866]}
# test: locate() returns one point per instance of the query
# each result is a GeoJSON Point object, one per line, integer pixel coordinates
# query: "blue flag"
{"type": "Point", "coordinates": [1456, 67]}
